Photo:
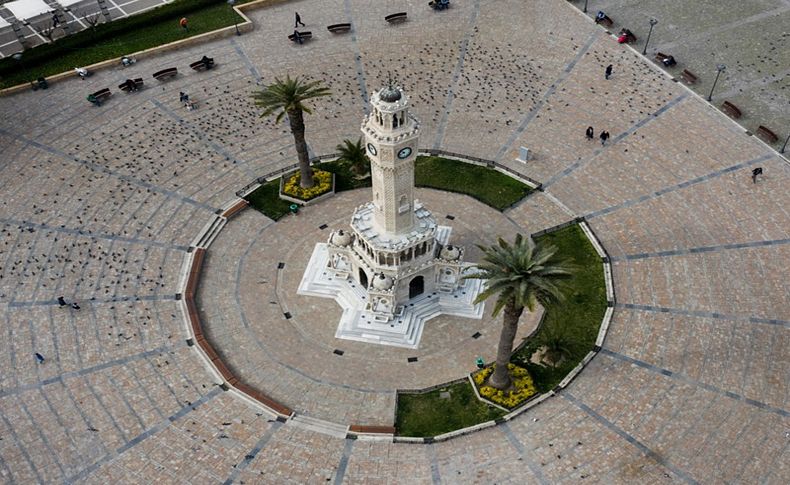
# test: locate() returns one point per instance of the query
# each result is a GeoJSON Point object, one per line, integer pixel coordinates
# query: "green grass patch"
{"type": "Point", "coordinates": [579, 316]}
{"type": "Point", "coordinates": [430, 415]}
{"type": "Point", "coordinates": [487, 185]}
{"type": "Point", "coordinates": [344, 177]}
{"type": "Point", "coordinates": [266, 199]}
{"type": "Point", "coordinates": [117, 38]}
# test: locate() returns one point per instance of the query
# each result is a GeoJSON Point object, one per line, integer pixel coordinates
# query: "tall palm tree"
{"type": "Point", "coordinates": [287, 98]}
{"type": "Point", "coordinates": [355, 154]}
{"type": "Point", "coordinates": [521, 275]}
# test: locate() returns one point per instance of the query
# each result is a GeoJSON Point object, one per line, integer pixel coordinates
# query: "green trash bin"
{"type": "Point", "coordinates": [294, 208]}
{"type": "Point", "coordinates": [480, 362]}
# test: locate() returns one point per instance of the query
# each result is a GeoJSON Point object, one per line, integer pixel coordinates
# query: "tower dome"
{"type": "Point", "coordinates": [390, 94]}
{"type": "Point", "coordinates": [450, 253]}
{"type": "Point", "coordinates": [382, 282]}
{"type": "Point", "coordinates": [341, 238]}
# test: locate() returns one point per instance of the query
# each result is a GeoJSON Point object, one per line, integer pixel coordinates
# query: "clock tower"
{"type": "Point", "coordinates": [391, 137]}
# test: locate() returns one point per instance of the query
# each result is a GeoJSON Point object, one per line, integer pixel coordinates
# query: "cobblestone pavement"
{"type": "Point", "coordinates": [100, 205]}
{"type": "Point", "coordinates": [750, 38]}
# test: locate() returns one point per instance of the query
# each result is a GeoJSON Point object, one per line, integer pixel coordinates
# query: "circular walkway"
{"type": "Point", "coordinates": [100, 205]}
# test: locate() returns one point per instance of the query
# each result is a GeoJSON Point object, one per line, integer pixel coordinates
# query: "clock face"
{"type": "Point", "coordinates": [372, 149]}
{"type": "Point", "coordinates": [404, 153]}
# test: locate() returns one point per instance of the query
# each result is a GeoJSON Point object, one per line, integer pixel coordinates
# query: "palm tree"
{"type": "Point", "coordinates": [287, 98]}
{"type": "Point", "coordinates": [557, 343]}
{"type": "Point", "coordinates": [521, 275]}
{"type": "Point", "coordinates": [355, 154]}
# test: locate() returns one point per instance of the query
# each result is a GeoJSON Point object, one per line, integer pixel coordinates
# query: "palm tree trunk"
{"type": "Point", "coordinates": [500, 379]}
{"type": "Point", "coordinates": [297, 128]}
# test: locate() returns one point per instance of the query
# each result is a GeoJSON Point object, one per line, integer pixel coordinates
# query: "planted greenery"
{"type": "Point", "coordinates": [431, 414]}
{"type": "Point", "coordinates": [569, 330]}
{"type": "Point", "coordinates": [522, 389]}
{"type": "Point", "coordinates": [266, 199]}
{"type": "Point", "coordinates": [322, 184]}
{"type": "Point", "coordinates": [118, 38]}
{"type": "Point", "coordinates": [487, 185]}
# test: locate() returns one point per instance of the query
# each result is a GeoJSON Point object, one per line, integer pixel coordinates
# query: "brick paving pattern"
{"type": "Point", "coordinates": [100, 205]}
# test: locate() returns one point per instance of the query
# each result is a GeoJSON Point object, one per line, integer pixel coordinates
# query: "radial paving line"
{"type": "Point", "coordinates": [694, 382]}
{"type": "Point", "coordinates": [459, 65]}
{"type": "Point", "coordinates": [682, 185]}
{"type": "Point", "coordinates": [146, 434]}
{"type": "Point", "coordinates": [341, 467]}
{"type": "Point", "coordinates": [638, 444]}
{"type": "Point", "coordinates": [701, 249]}
{"type": "Point", "coordinates": [519, 446]}
{"type": "Point", "coordinates": [253, 452]}
{"type": "Point", "coordinates": [363, 87]}
{"type": "Point", "coordinates": [112, 299]}
{"type": "Point", "coordinates": [704, 314]}
{"type": "Point", "coordinates": [108, 171]}
{"type": "Point", "coordinates": [21, 448]}
{"type": "Point", "coordinates": [436, 477]}
{"type": "Point", "coordinates": [246, 60]}
{"type": "Point", "coordinates": [204, 138]}
{"type": "Point", "coordinates": [632, 129]}
{"type": "Point", "coordinates": [534, 111]}
{"type": "Point", "coordinates": [93, 235]}
{"type": "Point", "coordinates": [88, 370]}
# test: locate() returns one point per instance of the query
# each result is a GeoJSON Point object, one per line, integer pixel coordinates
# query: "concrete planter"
{"type": "Point", "coordinates": [300, 201]}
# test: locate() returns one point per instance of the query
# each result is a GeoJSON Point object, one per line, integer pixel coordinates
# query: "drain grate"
{"type": "Point", "coordinates": [338, 352]}
{"type": "Point", "coordinates": [287, 315]}
{"type": "Point", "coordinates": [412, 359]}
{"type": "Point", "coordinates": [323, 226]}
{"type": "Point", "coordinates": [280, 265]}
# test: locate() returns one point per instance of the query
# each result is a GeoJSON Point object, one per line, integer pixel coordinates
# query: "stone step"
{"type": "Point", "coordinates": [319, 425]}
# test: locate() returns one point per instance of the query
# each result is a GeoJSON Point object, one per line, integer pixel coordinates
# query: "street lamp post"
{"type": "Point", "coordinates": [653, 22]}
{"type": "Point", "coordinates": [719, 68]}
{"type": "Point", "coordinates": [235, 17]}
{"type": "Point", "coordinates": [585, 6]}
{"type": "Point", "coordinates": [785, 145]}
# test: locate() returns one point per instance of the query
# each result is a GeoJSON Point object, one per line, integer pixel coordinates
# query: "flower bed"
{"type": "Point", "coordinates": [324, 186]}
{"type": "Point", "coordinates": [522, 381]}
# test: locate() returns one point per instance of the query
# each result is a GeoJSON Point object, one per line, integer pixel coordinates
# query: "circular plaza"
{"type": "Point", "coordinates": [103, 205]}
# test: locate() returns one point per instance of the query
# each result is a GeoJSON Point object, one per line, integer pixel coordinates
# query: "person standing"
{"type": "Point", "coordinates": [590, 133]}
{"type": "Point", "coordinates": [298, 20]}
{"type": "Point", "coordinates": [183, 24]}
{"type": "Point", "coordinates": [62, 301]}
{"type": "Point", "coordinates": [604, 136]}
{"type": "Point", "coordinates": [39, 358]}
{"type": "Point", "coordinates": [608, 71]}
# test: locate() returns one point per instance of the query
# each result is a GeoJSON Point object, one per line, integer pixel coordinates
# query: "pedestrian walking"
{"type": "Point", "coordinates": [608, 71]}
{"type": "Point", "coordinates": [55, 20]}
{"type": "Point", "coordinates": [62, 301]}
{"type": "Point", "coordinates": [75, 306]}
{"type": "Point", "coordinates": [183, 97]}
{"type": "Point", "coordinates": [757, 171]}
{"type": "Point", "coordinates": [298, 20]}
{"type": "Point", "coordinates": [590, 133]}
{"type": "Point", "coordinates": [183, 24]}
{"type": "Point", "coordinates": [604, 136]}
{"type": "Point", "coordinates": [39, 358]}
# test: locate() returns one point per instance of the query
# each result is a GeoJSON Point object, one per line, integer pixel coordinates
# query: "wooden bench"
{"type": "Point", "coordinates": [687, 76]}
{"type": "Point", "coordinates": [303, 35]}
{"type": "Point", "coordinates": [766, 135]}
{"type": "Point", "coordinates": [203, 64]}
{"type": "Point", "coordinates": [396, 18]}
{"type": "Point", "coordinates": [102, 94]}
{"type": "Point", "coordinates": [124, 86]}
{"type": "Point", "coordinates": [361, 428]}
{"type": "Point", "coordinates": [665, 59]}
{"type": "Point", "coordinates": [625, 36]}
{"type": "Point", "coordinates": [166, 74]}
{"type": "Point", "coordinates": [606, 21]}
{"type": "Point", "coordinates": [235, 209]}
{"type": "Point", "coordinates": [339, 28]}
{"type": "Point", "coordinates": [731, 109]}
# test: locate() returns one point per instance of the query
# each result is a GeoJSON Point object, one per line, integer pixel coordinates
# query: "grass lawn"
{"type": "Point", "coordinates": [429, 415]}
{"type": "Point", "coordinates": [89, 46]}
{"type": "Point", "coordinates": [485, 184]}
{"type": "Point", "coordinates": [266, 199]}
{"type": "Point", "coordinates": [579, 315]}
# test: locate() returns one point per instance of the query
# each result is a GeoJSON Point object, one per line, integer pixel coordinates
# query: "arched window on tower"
{"type": "Point", "coordinates": [395, 120]}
